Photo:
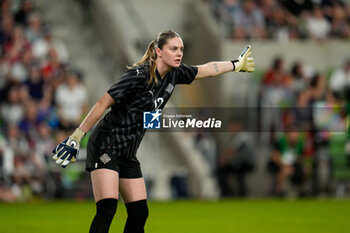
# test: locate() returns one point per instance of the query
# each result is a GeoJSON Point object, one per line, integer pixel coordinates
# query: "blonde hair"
{"type": "Point", "coordinates": [150, 55]}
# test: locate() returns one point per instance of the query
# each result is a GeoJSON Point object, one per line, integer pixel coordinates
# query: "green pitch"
{"type": "Point", "coordinates": [225, 216]}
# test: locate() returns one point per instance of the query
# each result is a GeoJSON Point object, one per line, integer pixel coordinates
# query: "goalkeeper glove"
{"type": "Point", "coordinates": [244, 63]}
{"type": "Point", "coordinates": [67, 150]}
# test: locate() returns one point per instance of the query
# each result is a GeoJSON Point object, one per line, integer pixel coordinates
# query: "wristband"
{"type": "Point", "coordinates": [233, 63]}
{"type": "Point", "coordinates": [78, 135]}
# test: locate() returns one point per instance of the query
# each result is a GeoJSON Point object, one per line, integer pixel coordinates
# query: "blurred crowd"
{"type": "Point", "coordinates": [302, 130]}
{"type": "Point", "coordinates": [42, 98]}
{"type": "Point", "coordinates": [312, 109]}
{"type": "Point", "coordinates": [283, 20]}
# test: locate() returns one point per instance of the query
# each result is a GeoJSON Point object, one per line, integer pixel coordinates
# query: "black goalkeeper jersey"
{"type": "Point", "coordinates": [121, 130]}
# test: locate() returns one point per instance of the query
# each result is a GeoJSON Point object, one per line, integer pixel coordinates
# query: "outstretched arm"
{"type": "Point", "coordinates": [214, 68]}
{"type": "Point", "coordinates": [244, 63]}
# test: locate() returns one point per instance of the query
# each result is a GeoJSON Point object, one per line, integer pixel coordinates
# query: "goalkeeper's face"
{"type": "Point", "coordinates": [172, 52]}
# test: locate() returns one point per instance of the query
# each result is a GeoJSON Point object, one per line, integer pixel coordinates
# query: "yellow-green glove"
{"type": "Point", "coordinates": [244, 63]}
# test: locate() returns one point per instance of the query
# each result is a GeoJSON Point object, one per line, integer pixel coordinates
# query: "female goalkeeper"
{"type": "Point", "coordinates": [111, 152]}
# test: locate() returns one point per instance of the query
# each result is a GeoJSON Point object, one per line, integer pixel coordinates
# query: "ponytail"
{"type": "Point", "coordinates": [150, 57]}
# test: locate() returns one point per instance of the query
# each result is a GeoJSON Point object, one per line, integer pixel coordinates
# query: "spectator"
{"type": "Point", "coordinates": [21, 17]}
{"type": "Point", "coordinates": [30, 122]}
{"type": "Point", "coordinates": [285, 161]}
{"type": "Point", "coordinates": [15, 46]}
{"type": "Point", "coordinates": [237, 160]}
{"type": "Point", "coordinates": [28, 168]}
{"type": "Point", "coordinates": [21, 67]}
{"type": "Point", "coordinates": [7, 161]}
{"type": "Point", "coordinates": [12, 111]}
{"type": "Point", "coordinates": [317, 26]}
{"type": "Point", "coordinates": [23, 94]}
{"type": "Point", "coordinates": [35, 84]}
{"type": "Point", "coordinates": [6, 7]}
{"type": "Point", "coordinates": [303, 110]}
{"type": "Point", "coordinates": [4, 80]}
{"type": "Point", "coordinates": [71, 99]}
{"type": "Point", "coordinates": [43, 46]}
{"type": "Point", "coordinates": [317, 87]}
{"type": "Point", "coordinates": [249, 22]}
{"type": "Point", "coordinates": [44, 143]}
{"type": "Point", "coordinates": [34, 31]}
{"type": "Point", "coordinates": [276, 75]}
{"type": "Point", "coordinates": [299, 81]}
{"type": "Point", "coordinates": [275, 93]}
{"type": "Point", "coordinates": [226, 11]}
{"type": "Point", "coordinates": [52, 69]}
{"type": "Point", "coordinates": [327, 7]}
{"type": "Point", "coordinates": [340, 79]}
{"type": "Point", "coordinates": [325, 109]}
{"type": "Point", "coordinates": [7, 25]}
{"type": "Point", "coordinates": [47, 113]}
{"type": "Point", "coordinates": [340, 86]}
{"type": "Point", "coordinates": [268, 7]}
{"type": "Point", "coordinates": [20, 147]}
{"type": "Point", "coordinates": [280, 23]}
{"type": "Point", "coordinates": [205, 143]}
{"type": "Point", "coordinates": [340, 26]}
{"type": "Point", "coordinates": [298, 7]}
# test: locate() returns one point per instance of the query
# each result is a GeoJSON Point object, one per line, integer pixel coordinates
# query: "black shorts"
{"type": "Point", "coordinates": [98, 158]}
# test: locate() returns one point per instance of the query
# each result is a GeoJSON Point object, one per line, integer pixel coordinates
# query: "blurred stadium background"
{"type": "Point", "coordinates": [59, 57]}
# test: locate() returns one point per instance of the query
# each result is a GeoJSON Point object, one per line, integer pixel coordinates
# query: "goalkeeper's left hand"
{"type": "Point", "coordinates": [244, 63]}
{"type": "Point", "coordinates": [67, 150]}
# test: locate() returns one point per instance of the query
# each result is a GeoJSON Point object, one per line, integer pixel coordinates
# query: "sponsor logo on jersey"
{"type": "Point", "coordinates": [151, 120]}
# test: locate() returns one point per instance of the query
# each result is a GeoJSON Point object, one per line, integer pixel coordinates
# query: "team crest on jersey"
{"type": "Point", "coordinates": [105, 158]}
{"type": "Point", "coordinates": [169, 88]}
{"type": "Point", "coordinates": [151, 120]}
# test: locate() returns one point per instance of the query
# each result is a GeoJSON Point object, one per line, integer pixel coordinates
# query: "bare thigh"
{"type": "Point", "coordinates": [132, 190]}
{"type": "Point", "coordinates": [105, 184]}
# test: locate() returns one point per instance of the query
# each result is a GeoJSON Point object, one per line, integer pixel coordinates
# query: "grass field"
{"type": "Point", "coordinates": [224, 216]}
